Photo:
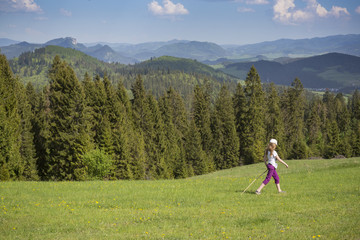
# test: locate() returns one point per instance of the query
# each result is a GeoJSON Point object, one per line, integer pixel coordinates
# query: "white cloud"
{"type": "Point", "coordinates": [41, 18]}
{"type": "Point", "coordinates": [252, 2]}
{"type": "Point", "coordinates": [65, 12]}
{"type": "Point", "coordinates": [321, 11]}
{"type": "Point", "coordinates": [357, 10]}
{"type": "Point", "coordinates": [168, 8]}
{"type": "Point", "coordinates": [257, 2]}
{"type": "Point", "coordinates": [19, 6]}
{"type": "Point", "coordinates": [243, 10]}
{"type": "Point", "coordinates": [338, 11]}
{"type": "Point", "coordinates": [286, 12]}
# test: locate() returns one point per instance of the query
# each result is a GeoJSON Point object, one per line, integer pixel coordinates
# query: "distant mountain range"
{"type": "Point", "coordinates": [348, 44]}
{"type": "Point", "coordinates": [332, 70]}
{"type": "Point", "coordinates": [7, 42]}
{"type": "Point", "coordinates": [201, 51]}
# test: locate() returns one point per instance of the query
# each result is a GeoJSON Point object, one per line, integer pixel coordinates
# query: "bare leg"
{"type": "Point", "coordinates": [278, 187]}
{"type": "Point", "coordinates": [261, 187]}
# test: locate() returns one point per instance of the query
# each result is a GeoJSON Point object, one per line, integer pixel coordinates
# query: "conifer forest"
{"type": "Point", "coordinates": [92, 128]}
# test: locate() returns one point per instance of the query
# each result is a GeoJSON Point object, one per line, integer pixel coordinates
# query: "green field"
{"type": "Point", "coordinates": [321, 202]}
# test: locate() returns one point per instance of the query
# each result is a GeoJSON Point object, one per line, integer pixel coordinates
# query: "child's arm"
{"type": "Point", "coordinates": [278, 158]}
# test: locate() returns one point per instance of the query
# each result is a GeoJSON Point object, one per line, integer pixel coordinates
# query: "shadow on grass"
{"type": "Point", "coordinates": [247, 192]}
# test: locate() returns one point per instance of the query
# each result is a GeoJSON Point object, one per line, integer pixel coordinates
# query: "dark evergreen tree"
{"type": "Point", "coordinates": [147, 118]}
{"type": "Point", "coordinates": [240, 110]}
{"type": "Point", "coordinates": [314, 128]}
{"type": "Point", "coordinates": [293, 105]}
{"type": "Point", "coordinates": [101, 126]}
{"type": "Point", "coordinates": [201, 113]}
{"type": "Point", "coordinates": [69, 139]}
{"type": "Point", "coordinates": [174, 139]}
{"type": "Point", "coordinates": [195, 156]}
{"type": "Point", "coordinates": [27, 147]}
{"type": "Point", "coordinates": [355, 105]}
{"type": "Point", "coordinates": [355, 137]}
{"type": "Point", "coordinates": [158, 164]}
{"type": "Point", "coordinates": [343, 119]}
{"type": "Point", "coordinates": [136, 145]}
{"type": "Point", "coordinates": [10, 131]}
{"type": "Point", "coordinates": [226, 141]}
{"type": "Point", "coordinates": [333, 139]}
{"type": "Point", "coordinates": [254, 129]}
{"type": "Point", "coordinates": [41, 130]}
{"type": "Point", "coordinates": [120, 132]}
{"type": "Point", "coordinates": [274, 125]}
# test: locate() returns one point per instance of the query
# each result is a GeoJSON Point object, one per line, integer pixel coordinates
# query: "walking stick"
{"type": "Point", "coordinates": [253, 181]}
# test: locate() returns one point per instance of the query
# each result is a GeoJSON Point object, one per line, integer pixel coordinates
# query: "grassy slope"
{"type": "Point", "coordinates": [322, 201]}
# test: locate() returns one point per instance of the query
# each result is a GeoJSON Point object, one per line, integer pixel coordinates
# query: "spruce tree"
{"type": "Point", "coordinates": [27, 147]}
{"type": "Point", "coordinates": [240, 110]}
{"type": "Point", "coordinates": [136, 142]}
{"type": "Point", "coordinates": [174, 140]}
{"type": "Point", "coordinates": [10, 131]}
{"type": "Point", "coordinates": [354, 107]}
{"type": "Point", "coordinates": [147, 118]}
{"type": "Point", "coordinates": [101, 126]}
{"type": "Point", "coordinates": [314, 128]}
{"type": "Point", "coordinates": [226, 141]}
{"type": "Point", "coordinates": [201, 113]}
{"type": "Point", "coordinates": [333, 139]}
{"type": "Point", "coordinates": [343, 119]}
{"type": "Point", "coordinates": [158, 162]}
{"type": "Point", "coordinates": [42, 134]}
{"type": "Point", "coordinates": [254, 129]}
{"type": "Point", "coordinates": [293, 103]}
{"type": "Point", "coordinates": [195, 156]}
{"type": "Point", "coordinates": [119, 130]}
{"type": "Point", "coordinates": [273, 119]}
{"type": "Point", "coordinates": [68, 137]}
{"type": "Point", "coordinates": [355, 104]}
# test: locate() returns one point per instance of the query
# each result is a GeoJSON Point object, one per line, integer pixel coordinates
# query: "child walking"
{"type": "Point", "coordinates": [270, 158]}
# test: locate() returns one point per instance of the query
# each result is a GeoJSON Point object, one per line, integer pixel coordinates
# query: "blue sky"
{"type": "Point", "coordinates": [136, 21]}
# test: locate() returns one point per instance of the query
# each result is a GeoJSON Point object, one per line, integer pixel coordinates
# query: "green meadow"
{"type": "Point", "coordinates": [322, 201]}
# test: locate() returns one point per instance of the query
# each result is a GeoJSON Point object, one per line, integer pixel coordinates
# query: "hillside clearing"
{"type": "Point", "coordinates": [322, 201]}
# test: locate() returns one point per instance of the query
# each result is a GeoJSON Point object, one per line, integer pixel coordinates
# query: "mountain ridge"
{"type": "Point", "coordinates": [331, 70]}
{"type": "Point", "coordinates": [205, 51]}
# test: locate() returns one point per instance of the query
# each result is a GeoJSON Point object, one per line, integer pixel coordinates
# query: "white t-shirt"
{"type": "Point", "coordinates": [272, 159]}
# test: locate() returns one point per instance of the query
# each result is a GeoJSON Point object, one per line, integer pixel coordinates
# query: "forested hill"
{"type": "Point", "coordinates": [332, 70]}
{"type": "Point", "coordinates": [158, 73]}
{"type": "Point", "coordinates": [167, 63]}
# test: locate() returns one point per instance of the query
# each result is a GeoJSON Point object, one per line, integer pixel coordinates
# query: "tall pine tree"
{"type": "Point", "coordinates": [69, 139]}
{"type": "Point", "coordinates": [254, 129]}
{"type": "Point", "coordinates": [293, 105]}
{"type": "Point", "coordinates": [226, 142]}
{"type": "Point", "coordinates": [10, 159]}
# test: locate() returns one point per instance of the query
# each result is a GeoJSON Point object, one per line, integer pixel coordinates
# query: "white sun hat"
{"type": "Point", "coordinates": [273, 141]}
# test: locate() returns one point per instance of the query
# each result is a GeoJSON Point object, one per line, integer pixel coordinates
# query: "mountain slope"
{"type": "Point", "coordinates": [107, 54]}
{"type": "Point", "coordinates": [333, 70]}
{"type": "Point", "coordinates": [194, 50]}
{"type": "Point", "coordinates": [347, 44]}
{"type": "Point", "coordinates": [15, 50]}
{"type": "Point", "coordinates": [6, 42]}
{"type": "Point", "coordinates": [167, 64]}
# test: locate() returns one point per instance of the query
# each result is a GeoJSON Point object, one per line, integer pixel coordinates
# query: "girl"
{"type": "Point", "coordinates": [271, 156]}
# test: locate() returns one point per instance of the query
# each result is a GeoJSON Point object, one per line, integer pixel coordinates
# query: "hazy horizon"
{"type": "Point", "coordinates": [225, 22]}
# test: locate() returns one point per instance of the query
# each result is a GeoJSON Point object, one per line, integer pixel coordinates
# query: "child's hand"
{"type": "Point", "coordinates": [287, 166]}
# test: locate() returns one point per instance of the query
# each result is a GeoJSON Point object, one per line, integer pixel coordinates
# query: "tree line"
{"type": "Point", "coordinates": [92, 129]}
